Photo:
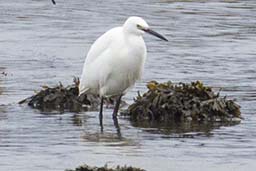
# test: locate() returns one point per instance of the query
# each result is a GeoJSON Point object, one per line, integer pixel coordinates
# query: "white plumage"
{"type": "Point", "coordinates": [116, 60]}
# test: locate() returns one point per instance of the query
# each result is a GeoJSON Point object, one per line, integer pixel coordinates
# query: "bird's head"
{"type": "Point", "coordinates": [138, 26]}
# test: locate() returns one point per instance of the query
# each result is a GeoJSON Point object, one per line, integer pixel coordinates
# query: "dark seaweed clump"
{"type": "Point", "coordinates": [61, 98]}
{"type": "Point", "coordinates": [168, 102]}
{"type": "Point", "coordinates": [105, 168]}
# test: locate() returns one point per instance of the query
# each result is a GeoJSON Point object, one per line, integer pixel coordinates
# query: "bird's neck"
{"type": "Point", "coordinates": [133, 39]}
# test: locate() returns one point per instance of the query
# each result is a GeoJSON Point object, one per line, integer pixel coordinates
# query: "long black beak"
{"type": "Point", "coordinates": [53, 1]}
{"type": "Point", "coordinates": [155, 34]}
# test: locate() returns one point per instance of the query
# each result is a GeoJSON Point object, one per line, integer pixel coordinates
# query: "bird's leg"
{"type": "Point", "coordinates": [118, 131]}
{"type": "Point", "coordinates": [118, 101]}
{"type": "Point", "coordinates": [100, 114]}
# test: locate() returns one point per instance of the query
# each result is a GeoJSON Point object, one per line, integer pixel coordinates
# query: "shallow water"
{"type": "Point", "coordinates": [42, 44]}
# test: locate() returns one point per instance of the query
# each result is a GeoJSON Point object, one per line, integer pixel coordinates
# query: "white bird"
{"type": "Point", "coordinates": [115, 61]}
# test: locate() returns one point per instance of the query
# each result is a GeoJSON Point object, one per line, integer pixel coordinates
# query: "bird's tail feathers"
{"type": "Point", "coordinates": [82, 91]}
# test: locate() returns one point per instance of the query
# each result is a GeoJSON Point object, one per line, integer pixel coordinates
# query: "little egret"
{"type": "Point", "coordinates": [115, 61]}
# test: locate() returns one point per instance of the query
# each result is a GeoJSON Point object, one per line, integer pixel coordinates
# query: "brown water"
{"type": "Point", "coordinates": [42, 44]}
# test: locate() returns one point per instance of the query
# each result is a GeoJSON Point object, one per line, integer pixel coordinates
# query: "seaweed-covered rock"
{"type": "Point", "coordinates": [61, 98]}
{"type": "Point", "coordinates": [168, 102]}
{"type": "Point", "coordinates": [105, 168]}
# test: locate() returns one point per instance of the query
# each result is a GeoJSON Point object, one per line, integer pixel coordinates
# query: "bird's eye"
{"type": "Point", "coordinates": [139, 26]}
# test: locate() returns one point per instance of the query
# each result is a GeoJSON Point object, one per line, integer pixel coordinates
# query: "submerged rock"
{"type": "Point", "coordinates": [105, 168]}
{"type": "Point", "coordinates": [4, 73]}
{"type": "Point", "coordinates": [168, 102]}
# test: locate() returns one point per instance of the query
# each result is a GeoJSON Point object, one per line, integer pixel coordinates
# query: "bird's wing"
{"type": "Point", "coordinates": [101, 44]}
{"type": "Point", "coordinates": [98, 50]}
